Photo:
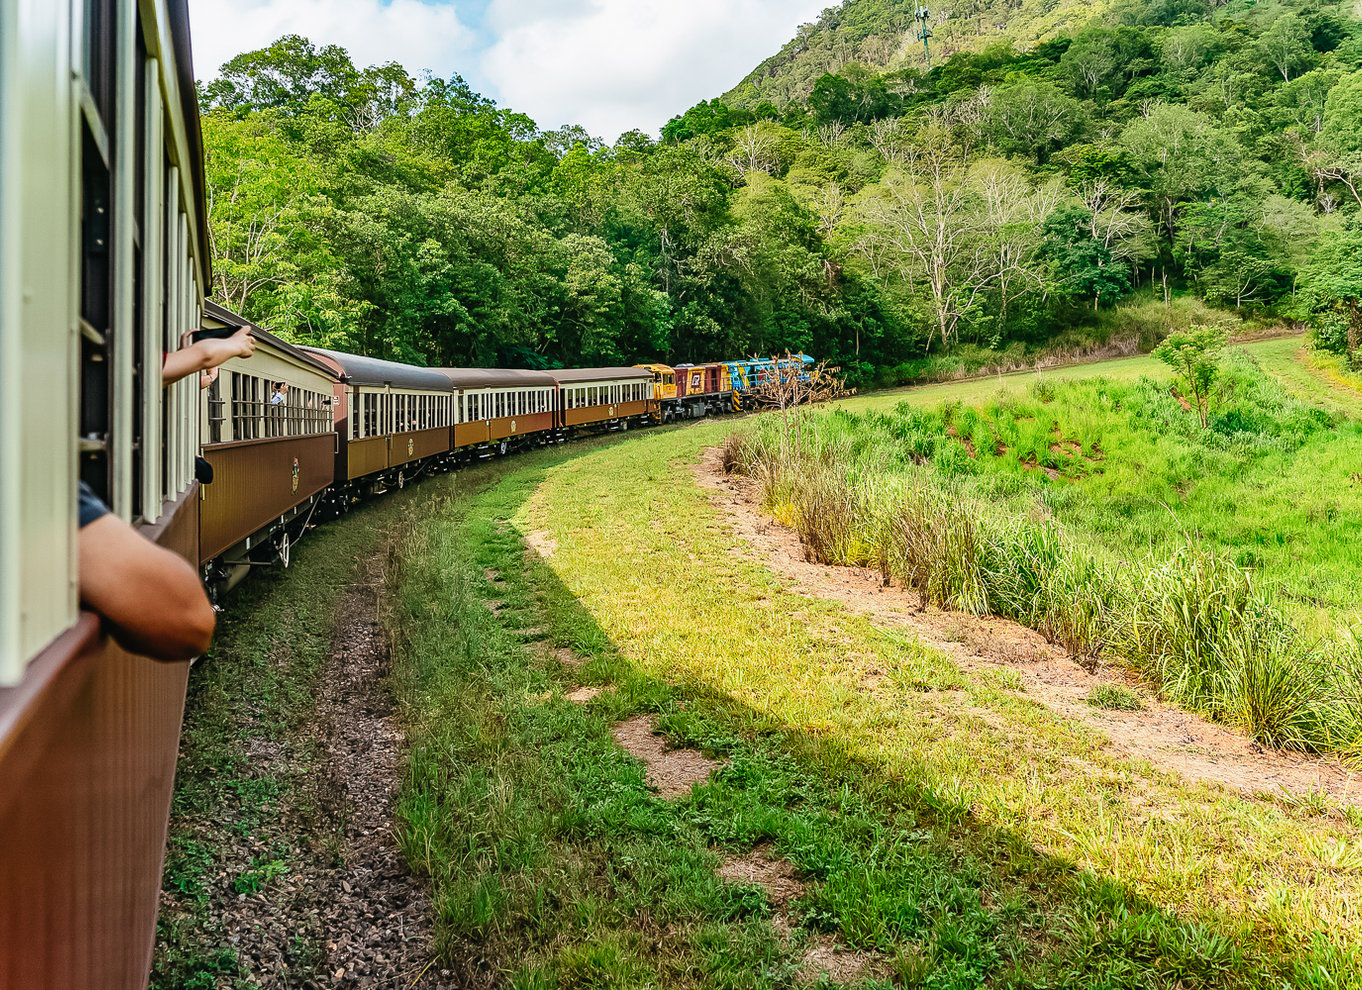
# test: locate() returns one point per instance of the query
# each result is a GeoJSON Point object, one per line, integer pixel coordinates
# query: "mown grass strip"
{"type": "Point", "coordinates": [965, 835]}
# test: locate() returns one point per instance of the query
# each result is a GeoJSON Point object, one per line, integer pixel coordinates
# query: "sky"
{"type": "Point", "coordinates": [608, 65]}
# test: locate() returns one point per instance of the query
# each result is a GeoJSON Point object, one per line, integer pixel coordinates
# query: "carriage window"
{"type": "Point", "coordinates": [217, 411]}
{"type": "Point", "coordinates": [370, 414]}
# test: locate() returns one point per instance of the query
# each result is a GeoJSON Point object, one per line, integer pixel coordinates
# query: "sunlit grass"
{"type": "Point", "coordinates": [643, 551]}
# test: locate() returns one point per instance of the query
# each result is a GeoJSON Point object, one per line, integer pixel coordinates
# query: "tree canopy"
{"type": "Point", "coordinates": [883, 211]}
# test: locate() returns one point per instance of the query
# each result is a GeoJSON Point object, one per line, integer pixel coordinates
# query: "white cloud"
{"type": "Point", "coordinates": [609, 65]}
{"type": "Point", "coordinates": [615, 65]}
{"type": "Point", "coordinates": [418, 35]}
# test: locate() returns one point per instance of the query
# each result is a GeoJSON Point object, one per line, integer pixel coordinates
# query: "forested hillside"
{"type": "Point", "coordinates": [1172, 153]}
{"type": "Point", "coordinates": [886, 34]}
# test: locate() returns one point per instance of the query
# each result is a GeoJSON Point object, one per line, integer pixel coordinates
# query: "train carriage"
{"type": "Point", "coordinates": [103, 264]}
{"type": "Point", "coordinates": [604, 397]}
{"type": "Point", "coordinates": [272, 451]}
{"type": "Point", "coordinates": [389, 418]}
{"type": "Point", "coordinates": [500, 409]}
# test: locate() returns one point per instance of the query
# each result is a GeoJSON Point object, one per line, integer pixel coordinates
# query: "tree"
{"type": "Point", "coordinates": [1331, 283]}
{"type": "Point", "coordinates": [289, 74]}
{"type": "Point", "coordinates": [1184, 50]}
{"type": "Point", "coordinates": [1089, 63]}
{"type": "Point", "coordinates": [1194, 356]}
{"type": "Point", "coordinates": [1285, 46]}
{"type": "Point", "coordinates": [1013, 212]}
{"type": "Point", "coordinates": [1080, 266]}
{"type": "Point", "coordinates": [1228, 248]}
{"type": "Point", "coordinates": [1336, 155]}
{"type": "Point", "coordinates": [1303, 99]}
{"type": "Point", "coordinates": [1032, 118]}
{"type": "Point", "coordinates": [1181, 155]}
{"type": "Point", "coordinates": [856, 95]}
{"type": "Point", "coordinates": [754, 150]}
{"type": "Point", "coordinates": [926, 223]}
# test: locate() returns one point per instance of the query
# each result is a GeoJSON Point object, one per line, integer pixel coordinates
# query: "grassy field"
{"type": "Point", "coordinates": [944, 827]}
{"type": "Point", "coordinates": [1280, 355]}
{"type": "Point", "coordinates": [1220, 562]}
{"type": "Point", "coordinates": [956, 832]}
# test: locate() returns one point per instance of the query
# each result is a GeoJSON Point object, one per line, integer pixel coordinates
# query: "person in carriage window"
{"type": "Point", "coordinates": [151, 599]}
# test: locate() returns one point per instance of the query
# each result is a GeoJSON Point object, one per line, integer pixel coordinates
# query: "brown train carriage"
{"type": "Point", "coordinates": [103, 264]}
{"type": "Point", "coordinates": [389, 417]}
{"type": "Point", "coordinates": [505, 407]}
{"type": "Point", "coordinates": [604, 397]}
{"type": "Point", "coordinates": [272, 454]}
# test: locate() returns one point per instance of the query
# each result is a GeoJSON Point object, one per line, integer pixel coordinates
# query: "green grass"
{"type": "Point", "coordinates": [1217, 562]}
{"type": "Point", "coordinates": [1277, 354]}
{"type": "Point", "coordinates": [1115, 697]}
{"type": "Point", "coordinates": [966, 835]}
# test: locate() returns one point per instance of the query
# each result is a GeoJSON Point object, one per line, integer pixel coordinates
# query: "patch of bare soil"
{"type": "Point", "coordinates": [671, 772]}
{"type": "Point", "coordinates": [348, 892]}
{"type": "Point", "coordinates": [774, 875]}
{"type": "Point", "coordinates": [542, 543]}
{"type": "Point", "coordinates": [377, 915]}
{"type": "Point", "coordinates": [582, 695]}
{"type": "Point", "coordinates": [1166, 736]}
{"type": "Point", "coordinates": [562, 654]}
{"type": "Point", "coordinates": [826, 958]}
{"type": "Point", "coordinates": [823, 956]}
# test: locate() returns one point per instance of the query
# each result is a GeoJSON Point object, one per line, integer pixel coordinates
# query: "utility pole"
{"type": "Point", "coordinates": [924, 32]}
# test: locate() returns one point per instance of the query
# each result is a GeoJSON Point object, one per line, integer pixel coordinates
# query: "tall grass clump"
{"type": "Point", "coordinates": [896, 492]}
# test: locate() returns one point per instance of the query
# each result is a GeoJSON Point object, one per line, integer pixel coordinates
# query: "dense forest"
{"type": "Point", "coordinates": [1171, 152]}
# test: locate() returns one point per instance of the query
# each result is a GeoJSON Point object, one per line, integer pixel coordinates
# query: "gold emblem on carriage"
{"type": "Point", "coordinates": [411, 446]}
{"type": "Point", "coordinates": [296, 472]}
{"type": "Point", "coordinates": [512, 426]}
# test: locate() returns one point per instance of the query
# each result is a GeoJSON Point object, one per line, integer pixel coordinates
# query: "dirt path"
{"type": "Point", "coordinates": [345, 912]}
{"type": "Point", "coordinates": [1167, 737]}
{"type": "Point", "coordinates": [377, 916]}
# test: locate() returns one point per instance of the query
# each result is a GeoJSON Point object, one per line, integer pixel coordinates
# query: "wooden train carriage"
{"type": "Point", "coordinates": [272, 450]}
{"type": "Point", "coordinates": [501, 406]}
{"type": "Point", "coordinates": [594, 397]}
{"type": "Point", "coordinates": [103, 263]}
{"type": "Point", "coordinates": [388, 416]}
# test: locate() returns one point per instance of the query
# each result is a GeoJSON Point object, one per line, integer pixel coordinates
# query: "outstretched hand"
{"type": "Point", "coordinates": [206, 354]}
{"type": "Point", "coordinates": [218, 351]}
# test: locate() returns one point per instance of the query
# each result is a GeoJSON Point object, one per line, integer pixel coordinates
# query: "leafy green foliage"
{"type": "Point", "coordinates": [848, 199]}
{"type": "Point", "coordinates": [1194, 356]}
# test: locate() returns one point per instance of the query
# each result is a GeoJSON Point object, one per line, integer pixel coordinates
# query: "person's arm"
{"type": "Point", "coordinates": [208, 353]}
{"type": "Point", "coordinates": [149, 597]}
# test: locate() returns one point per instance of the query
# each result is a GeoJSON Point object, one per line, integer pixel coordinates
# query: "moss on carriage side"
{"type": "Point", "coordinates": [956, 834]}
